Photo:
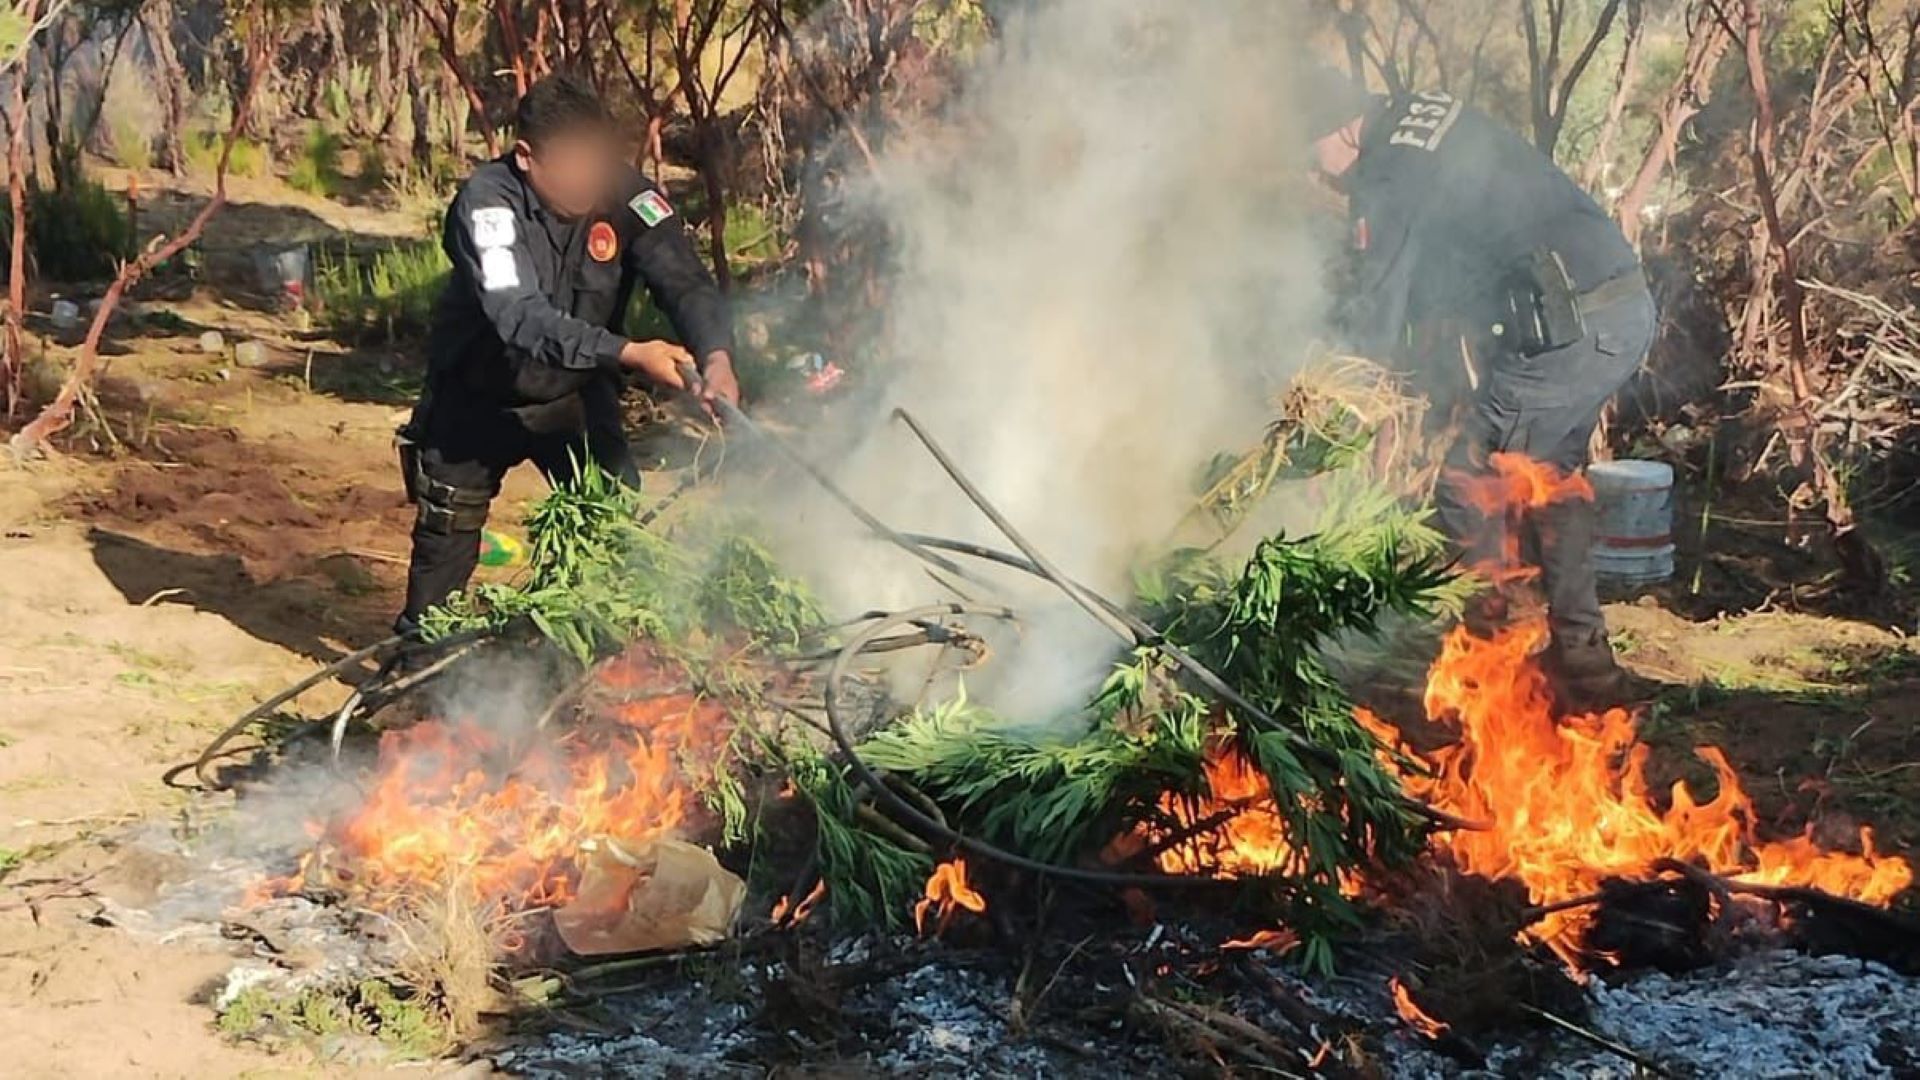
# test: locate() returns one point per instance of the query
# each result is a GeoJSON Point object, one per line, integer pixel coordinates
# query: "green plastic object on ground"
{"type": "Point", "coordinates": [499, 549]}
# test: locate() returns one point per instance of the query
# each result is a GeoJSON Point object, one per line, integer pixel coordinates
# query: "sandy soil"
{"type": "Point", "coordinates": [240, 525]}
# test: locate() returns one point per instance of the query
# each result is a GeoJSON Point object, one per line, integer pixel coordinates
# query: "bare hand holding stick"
{"type": "Point", "coordinates": [662, 362]}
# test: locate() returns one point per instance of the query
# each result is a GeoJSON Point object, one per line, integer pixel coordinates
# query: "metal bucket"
{"type": "Point", "coordinates": [1634, 505]}
{"type": "Point", "coordinates": [284, 272]}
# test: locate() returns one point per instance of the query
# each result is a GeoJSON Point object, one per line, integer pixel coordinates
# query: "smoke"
{"type": "Point", "coordinates": [1104, 269]}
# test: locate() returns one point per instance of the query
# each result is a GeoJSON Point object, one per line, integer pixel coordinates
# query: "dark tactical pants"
{"type": "Point", "coordinates": [1546, 407]}
{"type": "Point", "coordinates": [466, 445]}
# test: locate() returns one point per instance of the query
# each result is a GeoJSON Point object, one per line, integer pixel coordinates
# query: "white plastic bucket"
{"type": "Point", "coordinates": [1634, 506]}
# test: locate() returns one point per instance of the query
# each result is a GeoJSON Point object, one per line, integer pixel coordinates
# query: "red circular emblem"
{"type": "Point", "coordinates": [602, 243]}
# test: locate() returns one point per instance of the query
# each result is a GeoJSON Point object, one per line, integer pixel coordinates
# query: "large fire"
{"type": "Point", "coordinates": [510, 817]}
{"type": "Point", "coordinates": [1563, 799]}
{"type": "Point", "coordinates": [1567, 803]}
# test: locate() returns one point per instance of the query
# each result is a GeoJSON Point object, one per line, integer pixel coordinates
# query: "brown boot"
{"type": "Point", "coordinates": [1586, 678]}
{"type": "Point", "coordinates": [1485, 614]}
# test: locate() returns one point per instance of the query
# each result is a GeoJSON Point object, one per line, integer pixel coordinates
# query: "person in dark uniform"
{"type": "Point", "coordinates": [526, 358]}
{"type": "Point", "coordinates": [1455, 218]}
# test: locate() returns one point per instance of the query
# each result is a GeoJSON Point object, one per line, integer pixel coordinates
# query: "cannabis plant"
{"type": "Point", "coordinates": [596, 580]}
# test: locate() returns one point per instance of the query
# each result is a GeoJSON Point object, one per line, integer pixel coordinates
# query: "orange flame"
{"type": "Point", "coordinates": [458, 802]}
{"type": "Point", "coordinates": [1279, 942]}
{"type": "Point", "coordinates": [1413, 1014]}
{"type": "Point", "coordinates": [947, 893]}
{"type": "Point", "coordinates": [1235, 830]}
{"type": "Point", "coordinates": [787, 913]}
{"type": "Point", "coordinates": [1567, 799]}
{"type": "Point", "coordinates": [1516, 486]}
{"type": "Point", "coordinates": [1250, 838]}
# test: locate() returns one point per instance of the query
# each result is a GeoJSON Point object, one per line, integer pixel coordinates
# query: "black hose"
{"type": "Point", "coordinates": [1100, 610]}
{"type": "Point", "coordinates": [214, 748]}
{"type": "Point", "coordinates": [925, 824]}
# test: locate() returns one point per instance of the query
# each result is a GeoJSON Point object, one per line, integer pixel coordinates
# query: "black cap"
{"type": "Point", "coordinates": [1327, 100]}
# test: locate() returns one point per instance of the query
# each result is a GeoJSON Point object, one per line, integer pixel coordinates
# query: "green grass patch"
{"type": "Point", "coordinates": [202, 149]}
{"type": "Point", "coordinates": [372, 1007]}
{"type": "Point", "coordinates": [316, 165]}
{"type": "Point", "coordinates": [131, 142]}
{"type": "Point", "coordinates": [386, 294]}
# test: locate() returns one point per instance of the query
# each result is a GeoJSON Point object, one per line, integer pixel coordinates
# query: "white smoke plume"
{"type": "Point", "coordinates": [1104, 270]}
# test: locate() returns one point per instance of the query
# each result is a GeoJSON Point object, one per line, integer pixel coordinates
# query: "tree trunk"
{"type": "Point", "coordinates": [445, 28]}
{"type": "Point", "coordinates": [1862, 564]}
{"type": "Point", "coordinates": [1601, 159]}
{"type": "Point", "coordinates": [170, 80]}
{"type": "Point", "coordinates": [14, 362]}
{"type": "Point", "coordinates": [1691, 89]}
{"type": "Point", "coordinates": [385, 94]}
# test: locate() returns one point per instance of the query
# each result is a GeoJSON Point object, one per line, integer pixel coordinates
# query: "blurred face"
{"type": "Point", "coordinates": [571, 171]}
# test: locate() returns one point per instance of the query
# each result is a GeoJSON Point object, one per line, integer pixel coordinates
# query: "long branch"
{"type": "Point", "coordinates": [450, 55]}
{"type": "Point", "coordinates": [1707, 43]}
{"type": "Point", "coordinates": [59, 412]}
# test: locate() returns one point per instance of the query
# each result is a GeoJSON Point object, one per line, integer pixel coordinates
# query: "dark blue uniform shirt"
{"type": "Point", "coordinates": [1445, 205]}
{"type": "Point", "coordinates": [534, 309]}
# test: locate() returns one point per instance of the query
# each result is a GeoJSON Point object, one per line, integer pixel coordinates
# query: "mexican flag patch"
{"type": "Point", "coordinates": [652, 207]}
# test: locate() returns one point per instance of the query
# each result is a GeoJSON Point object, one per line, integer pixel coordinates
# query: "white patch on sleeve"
{"type": "Point", "coordinates": [493, 227]}
{"type": "Point", "coordinates": [498, 270]}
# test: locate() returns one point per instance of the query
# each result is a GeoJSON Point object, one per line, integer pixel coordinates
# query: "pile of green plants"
{"type": "Point", "coordinates": [596, 580]}
{"type": "Point", "coordinates": [1055, 789]}
{"type": "Point", "coordinates": [387, 294]}
{"type": "Point", "coordinates": [1061, 791]}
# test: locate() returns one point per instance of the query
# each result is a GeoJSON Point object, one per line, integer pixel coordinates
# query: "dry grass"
{"type": "Point", "coordinates": [449, 945]}
{"type": "Point", "coordinates": [1338, 410]}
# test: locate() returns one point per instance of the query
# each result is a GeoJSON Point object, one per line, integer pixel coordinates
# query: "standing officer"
{"type": "Point", "coordinates": [526, 355]}
{"type": "Point", "coordinates": [1454, 217]}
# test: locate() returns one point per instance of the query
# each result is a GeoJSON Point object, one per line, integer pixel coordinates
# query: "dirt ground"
{"type": "Point", "coordinates": [239, 526]}
{"type": "Point", "coordinates": [218, 530]}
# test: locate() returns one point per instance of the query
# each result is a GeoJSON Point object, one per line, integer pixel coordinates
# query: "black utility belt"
{"type": "Point", "coordinates": [1543, 309]}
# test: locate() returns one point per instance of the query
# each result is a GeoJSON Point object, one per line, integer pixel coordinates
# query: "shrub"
{"type": "Point", "coordinates": [421, 190]}
{"type": "Point", "coordinates": [316, 165]}
{"type": "Point", "coordinates": [203, 155]}
{"type": "Point", "coordinates": [132, 143]}
{"type": "Point", "coordinates": [375, 172]}
{"type": "Point", "coordinates": [388, 293]}
{"type": "Point", "coordinates": [75, 233]}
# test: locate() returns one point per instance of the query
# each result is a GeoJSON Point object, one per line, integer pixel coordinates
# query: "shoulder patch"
{"type": "Point", "coordinates": [652, 207]}
{"type": "Point", "coordinates": [602, 242]}
{"type": "Point", "coordinates": [493, 227]}
{"type": "Point", "coordinates": [498, 270]}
